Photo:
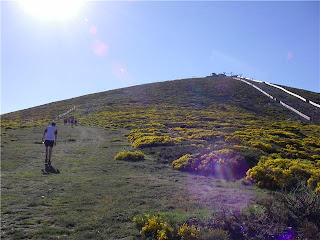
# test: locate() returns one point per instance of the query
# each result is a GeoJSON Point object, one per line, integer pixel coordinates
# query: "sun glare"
{"type": "Point", "coordinates": [54, 10]}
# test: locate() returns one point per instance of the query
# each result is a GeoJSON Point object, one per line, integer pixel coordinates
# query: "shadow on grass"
{"type": "Point", "coordinates": [50, 169]}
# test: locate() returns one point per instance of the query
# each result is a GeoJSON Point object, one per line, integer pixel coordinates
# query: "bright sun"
{"type": "Point", "coordinates": [57, 10]}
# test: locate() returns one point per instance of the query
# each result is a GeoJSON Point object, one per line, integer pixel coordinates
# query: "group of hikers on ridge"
{"type": "Point", "coordinates": [70, 120]}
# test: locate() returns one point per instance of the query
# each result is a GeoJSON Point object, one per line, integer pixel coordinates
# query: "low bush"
{"type": "Point", "coordinates": [130, 156]}
{"type": "Point", "coordinates": [250, 154]}
{"type": "Point", "coordinates": [167, 154]}
{"type": "Point", "coordinates": [207, 233]}
{"type": "Point", "coordinates": [277, 173]}
{"type": "Point", "coordinates": [224, 163]}
{"type": "Point", "coordinates": [139, 133]}
{"type": "Point", "coordinates": [154, 227]}
{"type": "Point", "coordinates": [186, 163]}
{"type": "Point", "coordinates": [293, 153]}
{"type": "Point", "coordinates": [187, 232]}
{"type": "Point", "coordinates": [302, 206]}
{"type": "Point", "coordinates": [262, 146]}
{"type": "Point", "coordinates": [153, 141]}
{"type": "Point", "coordinates": [199, 134]}
{"type": "Point", "coordinates": [281, 215]}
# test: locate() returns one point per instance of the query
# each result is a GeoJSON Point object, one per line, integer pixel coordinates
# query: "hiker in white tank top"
{"type": "Point", "coordinates": [50, 134]}
{"type": "Point", "coordinates": [49, 139]}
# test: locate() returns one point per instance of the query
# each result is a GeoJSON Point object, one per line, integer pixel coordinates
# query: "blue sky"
{"type": "Point", "coordinates": [110, 45]}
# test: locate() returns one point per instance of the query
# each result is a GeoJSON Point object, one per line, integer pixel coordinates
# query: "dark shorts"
{"type": "Point", "coordinates": [48, 143]}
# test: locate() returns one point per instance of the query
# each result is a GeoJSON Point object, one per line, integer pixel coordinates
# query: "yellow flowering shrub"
{"type": "Point", "coordinates": [314, 180]}
{"type": "Point", "coordinates": [275, 173]}
{"type": "Point", "coordinates": [155, 124]}
{"type": "Point", "coordinates": [188, 232]}
{"type": "Point", "coordinates": [192, 232]}
{"type": "Point", "coordinates": [139, 133]}
{"type": "Point", "coordinates": [185, 163]}
{"type": "Point", "coordinates": [199, 134]}
{"type": "Point", "coordinates": [154, 227]}
{"type": "Point", "coordinates": [130, 156]}
{"type": "Point", "coordinates": [10, 125]}
{"type": "Point", "coordinates": [263, 146]}
{"type": "Point", "coordinates": [153, 141]}
{"type": "Point", "coordinates": [223, 163]}
{"type": "Point", "coordinates": [311, 141]}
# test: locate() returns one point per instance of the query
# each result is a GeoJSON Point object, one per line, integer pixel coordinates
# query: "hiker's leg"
{"type": "Point", "coordinates": [50, 153]}
{"type": "Point", "coordinates": [47, 153]}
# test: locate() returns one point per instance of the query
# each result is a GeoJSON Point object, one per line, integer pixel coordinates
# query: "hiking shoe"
{"type": "Point", "coordinates": [46, 167]}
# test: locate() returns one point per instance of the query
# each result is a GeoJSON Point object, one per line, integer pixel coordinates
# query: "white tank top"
{"type": "Point", "coordinates": [50, 133]}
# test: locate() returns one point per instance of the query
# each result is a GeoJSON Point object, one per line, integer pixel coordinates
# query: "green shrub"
{"type": "Point", "coordinates": [187, 232]}
{"type": "Point", "coordinates": [270, 217]}
{"type": "Point", "coordinates": [295, 213]}
{"type": "Point", "coordinates": [185, 163]}
{"type": "Point", "coordinates": [276, 173]}
{"type": "Point", "coordinates": [130, 156]}
{"type": "Point", "coordinates": [292, 152]}
{"type": "Point", "coordinates": [139, 133]}
{"type": "Point", "coordinates": [155, 227]}
{"type": "Point", "coordinates": [263, 146]}
{"type": "Point", "coordinates": [224, 163]}
{"type": "Point", "coordinates": [153, 141]}
{"type": "Point", "coordinates": [250, 154]}
{"type": "Point", "coordinates": [301, 204]}
{"type": "Point", "coordinates": [207, 233]}
{"type": "Point", "coordinates": [192, 232]}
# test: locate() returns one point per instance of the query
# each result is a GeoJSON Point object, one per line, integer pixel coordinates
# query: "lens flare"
{"type": "Point", "coordinates": [100, 48]}
{"type": "Point", "coordinates": [119, 70]}
{"type": "Point", "coordinates": [288, 235]}
{"type": "Point", "coordinates": [93, 30]}
{"type": "Point", "coordinates": [211, 193]}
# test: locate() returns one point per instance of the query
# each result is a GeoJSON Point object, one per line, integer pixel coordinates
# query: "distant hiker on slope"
{"type": "Point", "coordinates": [49, 138]}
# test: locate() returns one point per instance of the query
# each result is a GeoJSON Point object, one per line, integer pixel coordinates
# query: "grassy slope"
{"type": "Point", "coordinates": [194, 93]}
{"type": "Point", "coordinates": [95, 196]}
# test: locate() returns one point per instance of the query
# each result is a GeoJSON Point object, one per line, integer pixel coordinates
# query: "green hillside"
{"type": "Point", "coordinates": [205, 144]}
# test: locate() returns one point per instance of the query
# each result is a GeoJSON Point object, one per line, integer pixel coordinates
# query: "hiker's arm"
{"type": "Point", "coordinates": [55, 137]}
{"type": "Point", "coordinates": [44, 133]}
